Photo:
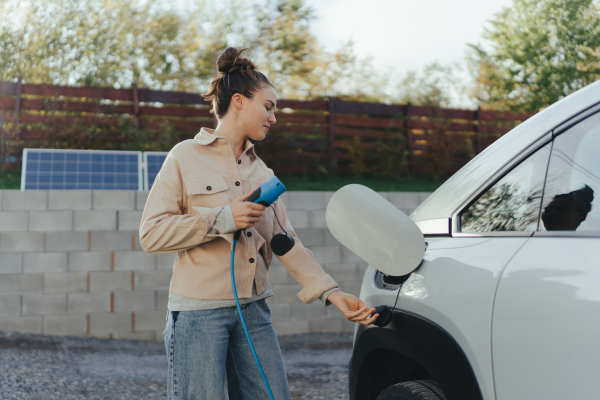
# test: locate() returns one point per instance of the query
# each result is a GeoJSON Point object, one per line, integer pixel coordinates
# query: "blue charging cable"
{"type": "Point", "coordinates": [239, 308]}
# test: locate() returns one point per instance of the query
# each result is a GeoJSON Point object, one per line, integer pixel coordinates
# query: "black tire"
{"type": "Point", "coordinates": [413, 390]}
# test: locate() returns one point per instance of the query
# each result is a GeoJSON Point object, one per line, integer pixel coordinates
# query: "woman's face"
{"type": "Point", "coordinates": [258, 113]}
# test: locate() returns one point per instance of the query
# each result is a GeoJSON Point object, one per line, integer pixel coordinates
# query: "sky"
{"type": "Point", "coordinates": [404, 34]}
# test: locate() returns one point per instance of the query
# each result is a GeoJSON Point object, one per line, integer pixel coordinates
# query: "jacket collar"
{"type": "Point", "coordinates": [206, 136]}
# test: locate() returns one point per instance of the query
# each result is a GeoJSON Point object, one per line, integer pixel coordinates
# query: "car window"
{"type": "Point", "coordinates": [573, 182]}
{"type": "Point", "coordinates": [513, 203]}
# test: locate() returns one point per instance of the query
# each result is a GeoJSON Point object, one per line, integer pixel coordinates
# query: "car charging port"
{"type": "Point", "coordinates": [385, 316]}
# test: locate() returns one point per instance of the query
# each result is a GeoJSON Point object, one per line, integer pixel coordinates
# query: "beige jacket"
{"type": "Point", "coordinates": [198, 178]}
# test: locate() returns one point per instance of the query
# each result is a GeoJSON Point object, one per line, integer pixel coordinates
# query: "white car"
{"type": "Point", "coordinates": [496, 294]}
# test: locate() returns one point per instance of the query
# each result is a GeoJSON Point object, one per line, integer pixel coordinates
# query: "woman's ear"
{"type": "Point", "coordinates": [238, 100]}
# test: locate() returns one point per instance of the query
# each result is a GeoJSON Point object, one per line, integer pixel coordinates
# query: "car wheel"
{"type": "Point", "coordinates": [413, 390]}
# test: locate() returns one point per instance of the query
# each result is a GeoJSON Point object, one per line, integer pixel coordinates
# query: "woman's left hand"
{"type": "Point", "coordinates": [352, 307]}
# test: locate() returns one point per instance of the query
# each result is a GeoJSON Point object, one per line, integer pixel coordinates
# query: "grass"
{"type": "Point", "coordinates": [407, 184]}
{"type": "Point", "coordinates": [12, 180]}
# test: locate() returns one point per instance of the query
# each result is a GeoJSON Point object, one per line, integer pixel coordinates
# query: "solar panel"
{"type": "Point", "coordinates": [81, 169]}
{"type": "Point", "coordinates": [153, 161]}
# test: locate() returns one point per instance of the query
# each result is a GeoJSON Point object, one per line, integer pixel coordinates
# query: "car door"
{"type": "Point", "coordinates": [546, 318]}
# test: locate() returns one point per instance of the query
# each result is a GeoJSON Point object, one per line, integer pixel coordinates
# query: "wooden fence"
{"type": "Point", "coordinates": [327, 136]}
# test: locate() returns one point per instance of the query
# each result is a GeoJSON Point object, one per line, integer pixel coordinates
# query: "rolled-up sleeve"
{"type": "Point", "coordinates": [301, 262]}
{"type": "Point", "coordinates": [163, 228]}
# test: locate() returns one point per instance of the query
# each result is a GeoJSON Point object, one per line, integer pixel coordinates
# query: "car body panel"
{"type": "Point", "coordinates": [454, 288]}
{"type": "Point", "coordinates": [449, 197]}
{"type": "Point", "coordinates": [546, 321]}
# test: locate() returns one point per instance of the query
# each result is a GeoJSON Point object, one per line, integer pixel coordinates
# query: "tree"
{"type": "Point", "coordinates": [541, 51]}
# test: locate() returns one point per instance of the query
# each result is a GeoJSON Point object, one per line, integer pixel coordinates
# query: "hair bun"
{"type": "Point", "coordinates": [231, 60]}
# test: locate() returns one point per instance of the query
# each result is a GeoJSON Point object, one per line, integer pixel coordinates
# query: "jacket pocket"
{"type": "Point", "coordinates": [207, 191]}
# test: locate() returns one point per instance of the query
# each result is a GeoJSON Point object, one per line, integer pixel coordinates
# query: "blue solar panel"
{"type": "Point", "coordinates": [153, 161]}
{"type": "Point", "coordinates": [81, 169]}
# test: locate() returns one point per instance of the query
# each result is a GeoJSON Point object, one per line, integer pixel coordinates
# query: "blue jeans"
{"type": "Point", "coordinates": [207, 350]}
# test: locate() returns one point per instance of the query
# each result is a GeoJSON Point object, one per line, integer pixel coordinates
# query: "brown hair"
{"type": "Point", "coordinates": [237, 74]}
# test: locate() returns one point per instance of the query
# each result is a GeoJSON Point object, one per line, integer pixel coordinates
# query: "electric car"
{"type": "Point", "coordinates": [493, 282]}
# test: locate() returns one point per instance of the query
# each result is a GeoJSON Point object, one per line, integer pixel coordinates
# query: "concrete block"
{"type": "Point", "coordinates": [81, 303]}
{"type": "Point", "coordinates": [13, 221]}
{"type": "Point", "coordinates": [28, 324]}
{"type": "Point", "coordinates": [45, 262]}
{"type": "Point", "coordinates": [281, 312]}
{"type": "Point", "coordinates": [317, 219]}
{"type": "Point", "coordinates": [21, 283]}
{"type": "Point", "coordinates": [325, 325]}
{"type": "Point", "coordinates": [328, 196]}
{"type": "Point", "coordinates": [66, 241]}
{"type": "Point", "coordinates": [341, 272]}
{"type": "Point", "coordinates": [286, 293]}
{"type": "Point", "coordinates": [133, 260]}
{"type": "Point", "coordinates": [149, 320]}
{"type": "Point", "coordinates": [109, 281]}
{"type": "Point", "coordinates": [136, 240]}
{"type": "Point", "coordinates": [50, 220]}
{"type": "Point", "coordinates": [349, 256]}
{"type": "Point", "coordinates": [69, 199]}
{"type": "Point", "coordinates": [144, 335]}
{"type": "Point", "coordinates": [311, 236]}
{"type": "Point", "coordinates": [15, 242]}
{"type": "Point", "coordinates": [404, 199]}
{"type": "Point", "coordinates": [348, 326]}
{"type": "Point", "coordinates": [42, 304]}
{"type": "Point", "coordinates": [10, 305]}
{"type": "Point", "coordinates": [307, 201]}
{"type": "Point", "coordinates": [1, 196]}
{"type": "Point", "coordinates": [327, 254]}
{"type": "Point", "coordinates": [165, 261]}
{"type": "Point", "coordinates": [156, 279]}
{"type": "Point", "coordinates": [133, 301]}
{"type": "Point", "coordinates": [90, 261]}
{"type": "Point", "coordinates": [24, 200]}
{"type": "Point", "coordinates": [275, 261]}
{"type": "Point", "coordinates": [69, 324]}
{"type": "Point", "coordinates": [279, 275]}
{"type": "Point", "coordinates": [113, 200]}
{"type": "Point", "coordinates": [111, 240]}
{"type": "Point", "coordinates": [299, 218]}
{"type": "Point", "coordinates": [95, 220]}
{"type": "Point", "coordinates": [129, 220]}
{"type": "Point", "coordinates": [423, 196]}
{"type": "Point", "coordinates": [65, 282]}
{"type": "Point", "coordinates": [329, 238]}
{"type": "Point", "coordinates": [351, 287]}
{"type": "Point", "coordinates": [290, 328]}
{"type": "Point", "coordinates": [159, 335]}
{"type": "Point", "coordinates": [11, 263]}
{"type": "Point", "coordinates": [308, 312]}
{"type": "Point", "coordinates": [111, 322]}
{"type": "Point", "coordinates": [140, 199]}
{"type": "Point", "coordinates": [162, 299]}
{"type": "Point", "coordinates": [285, 199]}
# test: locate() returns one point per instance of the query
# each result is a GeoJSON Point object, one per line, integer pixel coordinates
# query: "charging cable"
{"type": "Point", "coordinates": [239, 308]}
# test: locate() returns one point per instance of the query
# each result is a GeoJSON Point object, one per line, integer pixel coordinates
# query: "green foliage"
{"type": "Point", "coordinates": [541, 51]}
{"type": "Point", "coordinates": [10, 180]}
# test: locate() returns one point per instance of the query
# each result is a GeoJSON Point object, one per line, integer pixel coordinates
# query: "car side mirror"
{"type": "Point", "coordinates": [375, 230]}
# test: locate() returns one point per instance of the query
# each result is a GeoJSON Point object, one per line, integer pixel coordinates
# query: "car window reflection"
{"type": "Point", "coordinates": [573, 180]}
{"type": "Point", "coordinates": [513, 203]}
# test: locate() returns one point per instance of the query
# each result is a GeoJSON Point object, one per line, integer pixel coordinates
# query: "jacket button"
{"type": "Point", "coordinates": [239, 161]}
{"type": "Point", "coordinates": [249, 234]}
{"type": "Point", "coordinates": [237, 183]}
{"type": "Point", "coordinates": [208, 188]}
{"type": "Point", "coordinates": [251, 260]}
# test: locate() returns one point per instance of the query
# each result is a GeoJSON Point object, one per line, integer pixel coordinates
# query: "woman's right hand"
{"type": "Point", "coordinates": [245, 213]}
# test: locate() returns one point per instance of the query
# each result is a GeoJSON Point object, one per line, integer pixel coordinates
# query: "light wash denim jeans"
{"type": "Point", "coordinates": [208, 351]}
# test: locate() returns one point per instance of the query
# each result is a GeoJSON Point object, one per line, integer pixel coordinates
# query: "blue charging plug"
{"type": "Point", "coordinates": [266, 194]}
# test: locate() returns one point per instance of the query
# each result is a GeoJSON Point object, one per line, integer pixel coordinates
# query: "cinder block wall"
{"type": "Point", "coordinates": [71, 264]}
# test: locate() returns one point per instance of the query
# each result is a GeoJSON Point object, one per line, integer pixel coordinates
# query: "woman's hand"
{"type": "Point", "coordinates": [245, 213]}
{"type": "Point", "coordinates": [352, 307]}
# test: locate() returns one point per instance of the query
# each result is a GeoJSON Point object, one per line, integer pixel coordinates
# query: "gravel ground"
{"type": "Point", "coordinates": [40, 367]}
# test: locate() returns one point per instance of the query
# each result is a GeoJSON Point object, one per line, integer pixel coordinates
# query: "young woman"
{"type": "Point", "coordinates": [194, 208]}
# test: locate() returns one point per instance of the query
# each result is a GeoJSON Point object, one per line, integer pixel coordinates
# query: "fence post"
{"type": "Point", "coordinates": [2, 153]}
{"type": "Point", "coordinates": [331, 137]}
{"type": "Point", "coordinates": [411, 153]}
{"type": "Point", "coordinates": [18, 107]}
{"type": "Point", "coordinates": [136, 105]}
{"type": "Point", "coordinates": [478, 129]}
